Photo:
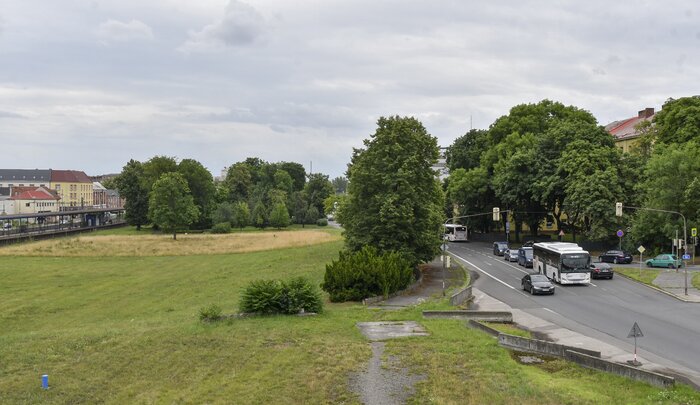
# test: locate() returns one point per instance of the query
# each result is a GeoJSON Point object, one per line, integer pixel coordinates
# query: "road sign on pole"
{"type": "Point", "coordinates": [620, 233]}
{"type": "Point", "coordinates": [635, 333]}
{"type": "Point", "coordinates": [693, 232]}
{"type": "Point", "coordinates": [641, 249]}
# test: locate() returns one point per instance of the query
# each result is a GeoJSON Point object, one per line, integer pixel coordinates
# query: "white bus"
{"type": "Point", "coordinates": [456, 232]}
{"type": "Point", "coordinates": [563, 262]}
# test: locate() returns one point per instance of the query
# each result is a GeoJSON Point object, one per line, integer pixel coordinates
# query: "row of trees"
{"type": "Point", "coordinates": [254, 192]}
{"type": "Point", "coordinates": [548, 159]}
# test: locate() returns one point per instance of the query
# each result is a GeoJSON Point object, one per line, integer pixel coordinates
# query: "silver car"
{"type": "Point", "coordinates": [511, 255]}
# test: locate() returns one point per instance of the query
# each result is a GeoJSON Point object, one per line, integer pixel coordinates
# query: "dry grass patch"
{"type": "Point", "coordinates": [164, 245]}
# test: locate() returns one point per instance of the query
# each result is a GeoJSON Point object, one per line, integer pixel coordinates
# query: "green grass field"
{"type": "Point", "coordinates": [125, 330]}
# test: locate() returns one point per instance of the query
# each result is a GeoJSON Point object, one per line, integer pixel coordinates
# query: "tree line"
{"type": "Point", "coordinates": [544, 160]}
{"type": "Point", "coordinates": [179, 195]}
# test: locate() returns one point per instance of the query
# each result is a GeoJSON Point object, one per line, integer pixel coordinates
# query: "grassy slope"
{"type": "Point", "coordinates": [646, 276]}
{"type": "Point", "coordinates": [125, 330]}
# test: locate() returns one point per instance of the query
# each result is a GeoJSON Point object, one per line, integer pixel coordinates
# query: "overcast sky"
{"type": "Point", "coordinates": [90, 84]}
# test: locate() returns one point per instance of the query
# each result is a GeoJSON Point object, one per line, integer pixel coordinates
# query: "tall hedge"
{"type": "Point", "coordinates": [366, 273]}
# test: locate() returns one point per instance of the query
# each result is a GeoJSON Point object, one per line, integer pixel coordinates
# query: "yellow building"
{"type": "Point", "coordinates": [74, 187]}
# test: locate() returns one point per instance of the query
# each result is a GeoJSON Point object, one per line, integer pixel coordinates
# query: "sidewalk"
{"type": "Point", "coordinates": [673, 282]}
{"type": "Point", "coordinates": [562, 335]}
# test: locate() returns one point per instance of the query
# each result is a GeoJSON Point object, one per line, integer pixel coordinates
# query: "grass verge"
{"type": "Point", "coordinates": [646, 276]}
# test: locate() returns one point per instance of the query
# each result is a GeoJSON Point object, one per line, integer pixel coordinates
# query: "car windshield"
{"type": "Point", "coordinates": [501, 245]}
{"type": "Point", "coordinates": [538, 278]}
{"type": "Point", "coordinates": [575, 262]}
{"type": "Point", "coordinates": [528, 254]}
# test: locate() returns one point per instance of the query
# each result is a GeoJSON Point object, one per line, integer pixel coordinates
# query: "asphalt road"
{"type": "Point", "coordinates": [605, 309]}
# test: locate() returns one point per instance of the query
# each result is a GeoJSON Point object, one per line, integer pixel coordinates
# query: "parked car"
{"type": "Point", "coordinates": [499, 248]}
{"type": "Point", "coordinates": [511, 255]}
{"type": "Point", "coordinates": [7, 226]}
{"type": "Point", "coordinates": [665, 260]}
{"type": "Point", "coordinates": [525, 256]}
{"type": "Point", "coordinates": [537, 284]}
{"type": "Point", "coordinates": [601, 270]}
{"type": "Point", "coordinates": [615, 256]}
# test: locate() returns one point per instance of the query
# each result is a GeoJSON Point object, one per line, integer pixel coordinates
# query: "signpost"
{"type": "Point", "coordinates": [635, 333]}
{"type": "Point", "coordinates": [620, 234]}
{"type": "Point", "coordinates": [641, 250]}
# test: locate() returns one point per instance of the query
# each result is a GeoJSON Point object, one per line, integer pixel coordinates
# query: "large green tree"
{"type": "Point", "coordinates": [157, 166]}
{"type": "Point", "coordinates": [238, 181]}
{"type": "Point", "coordinates": [670, 183]}
{"type": "Point", "coordinates": [466, 151]}
{"type": "Point", "coordinates": [201, 184]}
{"type": "Point", "coordinates": [317, 189]}
{"type": "Point", "coordinates": [394, 199]}
{"type": "Point", "coordinates": [132, 187]}
{"type": "Point", "coordinates": [678, 121]}
{"type": "Point", "coordinates": [171, 205]}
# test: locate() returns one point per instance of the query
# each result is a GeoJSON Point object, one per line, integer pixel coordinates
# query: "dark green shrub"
{"type": "Point", "coordinates": [299, 294]}
{"type": "Point", "coordinates": [262, 296]}
{"type": "Point", "coordinates": [358, 275]}
{"type": "Point", "coordinates": [210, 313]}
{"type": "Point", "coordinates": [223, 227]}
{"type": "Point", "coordinates": [322, 222]}
{"type": "Point", "coordinates": [281, 297]}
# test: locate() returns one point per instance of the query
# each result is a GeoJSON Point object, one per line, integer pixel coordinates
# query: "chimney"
{"type": "Point", "coordinates": [646, 113]}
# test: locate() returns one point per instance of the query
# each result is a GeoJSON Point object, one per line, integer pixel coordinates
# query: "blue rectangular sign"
{"type": "Point", "coordinates": [686, 257]}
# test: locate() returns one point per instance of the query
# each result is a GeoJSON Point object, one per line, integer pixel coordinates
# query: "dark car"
{"type": "Point", "coordinates": [525, 256]}
{"type": "Point", "coordinates": [499, 248]}
{"type": "Point", "coordinates": [615, 256]}
{"type": "Point", "coordinates": [601, 270]}
{"type": "Point", "coordinates": [511, 255]}
{"type": "Point", "coordinates": [537, 284]}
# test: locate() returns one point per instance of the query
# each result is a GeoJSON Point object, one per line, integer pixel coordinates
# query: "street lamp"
{"type": "Point", "coordinates": [618, 212]}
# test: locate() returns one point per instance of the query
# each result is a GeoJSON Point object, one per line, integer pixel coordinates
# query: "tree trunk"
{"type": "Point", "coordinates": [138, 227]}
{"type": "Point", "coordinates": [174, 235]}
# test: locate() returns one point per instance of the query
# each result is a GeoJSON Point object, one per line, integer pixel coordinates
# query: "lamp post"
{"type": "Point", "coordinates": [496, 217]}
{"type": "Point", "coordinates": [618, 212]}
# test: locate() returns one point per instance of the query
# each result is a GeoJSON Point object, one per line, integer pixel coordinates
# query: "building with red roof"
{"type": "Point", "coordinates": [626, 131]}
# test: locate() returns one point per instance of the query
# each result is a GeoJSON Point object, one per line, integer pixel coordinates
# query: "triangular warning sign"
{"type": "Point", "coordinates": [635, 332]}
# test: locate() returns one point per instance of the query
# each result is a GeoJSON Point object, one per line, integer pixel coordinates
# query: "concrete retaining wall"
{"type": "Point", "coordinates": [540, 346]}
{"type": "Point", "coordinates": [658, 380]}
{"type": "Point", "coordinates": [478, 325]}
{"type": "Point", "coordinates": [489, 316]}
{"type": "Point", "coordinates": [461, 296]}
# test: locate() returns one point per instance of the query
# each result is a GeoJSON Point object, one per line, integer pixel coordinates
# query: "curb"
{"type": "Point", "coordinates": [659, 289]}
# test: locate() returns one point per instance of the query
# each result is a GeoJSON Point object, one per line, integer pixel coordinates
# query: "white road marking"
{"type": "Point", "coordinates": [549, 310]}
{"type": "Point", "coordinates": [592, 284]}
{"type": "Point", "coordinates": [481, 270]}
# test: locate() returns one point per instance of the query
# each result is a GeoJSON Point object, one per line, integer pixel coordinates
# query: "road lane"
{"type": "Point", "coordinates": [606, 308]}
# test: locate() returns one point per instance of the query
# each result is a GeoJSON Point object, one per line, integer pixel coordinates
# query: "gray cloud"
{"type": "Point", "coordinates": [240, 25]}
{"type": "Point", "coordinates": [113, 30]}
{"type": "Point", "coordinates": [204, 86]}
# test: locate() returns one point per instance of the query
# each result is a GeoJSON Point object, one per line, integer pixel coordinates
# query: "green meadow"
{"type": "Point", "coordinates": [120, 329]}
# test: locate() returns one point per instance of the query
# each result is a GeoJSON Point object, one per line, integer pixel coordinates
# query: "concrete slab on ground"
{"type": "Point", "coordinates": [375, 331]}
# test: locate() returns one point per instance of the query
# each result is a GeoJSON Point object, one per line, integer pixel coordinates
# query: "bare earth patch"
{"type": "Point", "coordinates": [164, 245]}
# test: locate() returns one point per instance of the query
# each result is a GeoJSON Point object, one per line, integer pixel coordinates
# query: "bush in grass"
{"type": "Point", "coordinates": [299, 294]}
{"type": "Point", "coordinates": [222, 227]}
{"type": "Point", "coordinates": [322, 222]}
{"type": "Point", "coordinates": [358, 275]}
{"type": "Point", "coordinates": [281, 297]}
{"type": "Point", "coordinates": [210, 313]}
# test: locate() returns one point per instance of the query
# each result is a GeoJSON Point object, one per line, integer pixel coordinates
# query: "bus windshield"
{"type": "Point", "coordinates": [575, 262]}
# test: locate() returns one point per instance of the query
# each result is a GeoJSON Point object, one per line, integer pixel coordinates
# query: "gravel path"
{"type": "Point", "coordinates": [385, 384]}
